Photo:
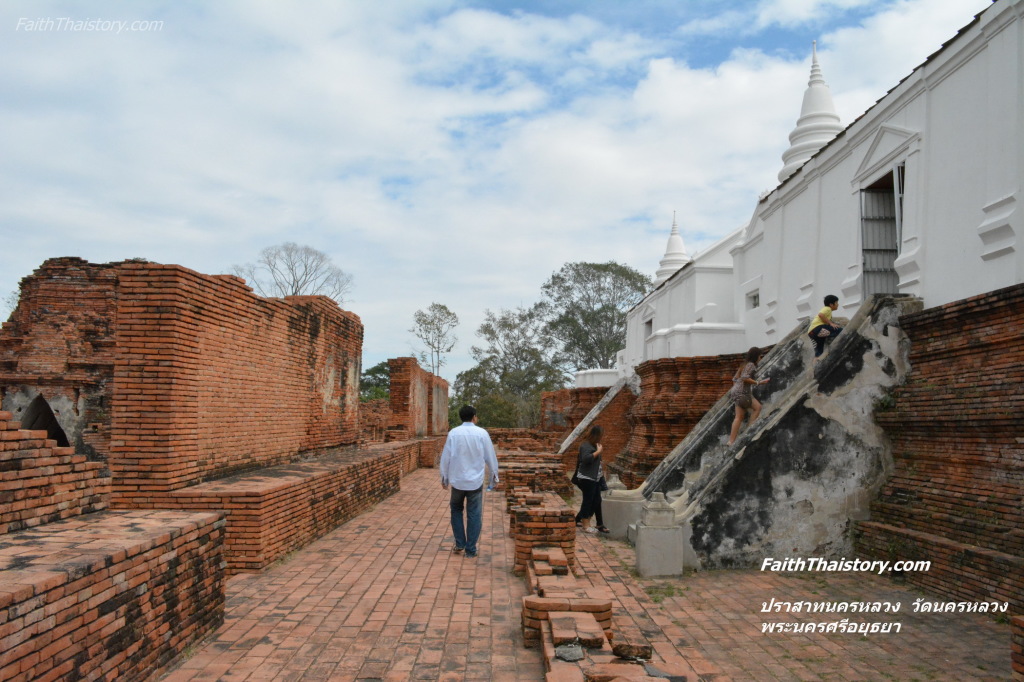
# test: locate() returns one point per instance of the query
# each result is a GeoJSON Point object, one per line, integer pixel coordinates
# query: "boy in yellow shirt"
{"type": "Point", "coordinates": [822, 327]}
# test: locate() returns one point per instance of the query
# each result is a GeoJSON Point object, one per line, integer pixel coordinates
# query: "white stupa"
{"type": "Point", "coordinates": [675, 255]}
{"type": "Point", "coordinates": [817, 125]}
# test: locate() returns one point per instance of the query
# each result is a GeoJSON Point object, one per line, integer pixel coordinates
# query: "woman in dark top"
{"type": "Point", "coordinates": [742, 397]}
{"type": "Point", "coordinates": [588, 469]}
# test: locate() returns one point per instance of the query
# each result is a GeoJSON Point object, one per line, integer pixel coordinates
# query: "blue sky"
{"type": "Point", "coordinates": [438, 150]}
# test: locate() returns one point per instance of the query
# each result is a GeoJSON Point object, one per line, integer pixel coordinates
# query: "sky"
{"type": "Point", "coordinates": [450, 151]}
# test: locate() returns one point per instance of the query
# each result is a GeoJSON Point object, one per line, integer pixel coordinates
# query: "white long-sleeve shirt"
{"type": "Point", "coordinates": [467, 451]}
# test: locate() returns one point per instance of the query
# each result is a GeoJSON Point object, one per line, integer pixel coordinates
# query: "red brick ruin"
{"type": "Point", "coordinates": [163, 429]}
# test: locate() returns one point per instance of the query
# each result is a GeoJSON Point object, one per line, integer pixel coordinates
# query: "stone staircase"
{"type": "Point", "coordinates": [795, 479]}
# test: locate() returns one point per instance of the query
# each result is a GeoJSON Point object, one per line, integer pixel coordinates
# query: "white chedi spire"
{"type": "Point", "coordinates": [675, 255]}
{"type": "Point", "coordinates": [817, 125]}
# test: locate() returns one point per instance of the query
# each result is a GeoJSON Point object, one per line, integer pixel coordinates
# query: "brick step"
{"type": "Point", "coordinates": [569, 627]}
{"type": "Point", "coordinates": [115, 595]}
{"type": "Point", "coordinates": [628, 641]}
{"type": "Point", "coordinates": [41, 483]}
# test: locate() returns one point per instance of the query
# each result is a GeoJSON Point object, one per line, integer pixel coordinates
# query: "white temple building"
{"type": "Point", "coordinates": [920, 195]}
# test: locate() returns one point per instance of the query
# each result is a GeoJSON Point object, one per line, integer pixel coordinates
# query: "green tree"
{"type": "Point", "coordinates": [434, 328]}
{"type": "Point", "coordinates": [292, 270]}
{"type": "Point", "coordinates": [514, 365]}
{"type": "Point", "coordinates": [375, 383]}
{"type": "Point", "coordinates": [478, 386]}
{"type": "Point", "coordinates": [585, 306]}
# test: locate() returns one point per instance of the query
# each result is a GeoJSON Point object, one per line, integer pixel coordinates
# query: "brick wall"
{"type": "Point", "coordinates": [374, 418]}
{"type": "Point", "coordinates": [430, 452]}
{"type": "Point", "coordinates": [674, 395]}
{"type": "Point", "coordinates": [92, 594]}
{"type": "Point", "coordinates": [419, 401]}
{"type": "Point", "coordinates": [563, 410]}
{"type": "Point", "coordinates": [280, 509]}
{"type": "Point", "coordinates": [180, 377]}
{"type": "Point", "coordinates": [210, 379]}
{"type": "Point", "coordinates": [956, 496]}
{"type": "Point", "coordinates": [614, 419]}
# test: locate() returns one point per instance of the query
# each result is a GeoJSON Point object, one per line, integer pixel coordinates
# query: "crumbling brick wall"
{"type": "Point", "coordinates": [374, 418]}
{"type": "Point", "coordinates": [956, 496]}
{"type": "Point", "coordinates": [563, 410]}
{"type": "Point", "coordinates": [531, 440]}
{"type": "Point", "coordinates": [59, 346]}
{"type": "Point", "coordinates": [614, 420]}
{"type": "Point", "coordinates": [674, 395]}
{"type": "Point", "coordinates": [183, 377]}
{"type": "Point", "coordinates": [419, 401]}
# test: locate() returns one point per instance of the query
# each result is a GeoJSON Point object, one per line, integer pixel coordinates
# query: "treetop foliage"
{"type": "Point", "coordinates": [375, 382]}
{"type": "Point", "coordinates": [579, 323]}
{"type": "Point", "coordinates": [585, 305]}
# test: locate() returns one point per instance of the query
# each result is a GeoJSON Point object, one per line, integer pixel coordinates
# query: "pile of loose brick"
{"type": "Point", "coordinates": [956, 495]}
{"type": "Point", "coordinates": [575, 623]}
{"type": "Point", "coordinates": [93, 594]}
{"type": "Point", "coordinates": [535, 471]}
{"type": "Point", "coordinates": [531, 440]}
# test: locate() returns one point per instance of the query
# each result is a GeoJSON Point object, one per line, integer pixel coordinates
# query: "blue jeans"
{"type": "Point", "coordinates": [473, 501]}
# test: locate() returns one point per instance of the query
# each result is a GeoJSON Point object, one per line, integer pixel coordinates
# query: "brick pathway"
{"type": "Point", "coordinates": [719, 613]}
{"type": "Point", "coordinates": [383, 598]}
{"type": "Point", "coordinates": [380, 598]}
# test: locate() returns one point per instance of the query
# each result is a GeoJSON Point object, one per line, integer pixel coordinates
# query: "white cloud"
{"type": "Point", "coordinates": [437, 153]}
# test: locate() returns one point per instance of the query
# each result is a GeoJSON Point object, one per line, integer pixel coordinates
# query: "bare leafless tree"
{"type": "Point", "coordinates": [434, 328]}
{"type": "Point", "coordinates": [10, 302]}
{"type": "Point", "coordinates": [293, 270]}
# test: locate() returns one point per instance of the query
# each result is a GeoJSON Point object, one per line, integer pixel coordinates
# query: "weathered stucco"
{"type": "Point", "coordinates": [794, 481]}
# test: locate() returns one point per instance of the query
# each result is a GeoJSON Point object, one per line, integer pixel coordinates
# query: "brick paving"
{"type": "Point", "coordinates": [380, 598]}
{"type": "Point", "coordinates": [719, 614]}
{"type": "Point", "coordinates": [383, 598]}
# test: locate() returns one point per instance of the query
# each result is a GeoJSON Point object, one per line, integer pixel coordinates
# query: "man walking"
{"type": "Point", "coordinates": [468, 453]}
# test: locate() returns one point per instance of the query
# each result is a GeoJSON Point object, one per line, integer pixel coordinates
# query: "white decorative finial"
{"type": "Point", "coordinates": [675, 255]}
{"type": "Point", "coordinates": [818, 122]}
